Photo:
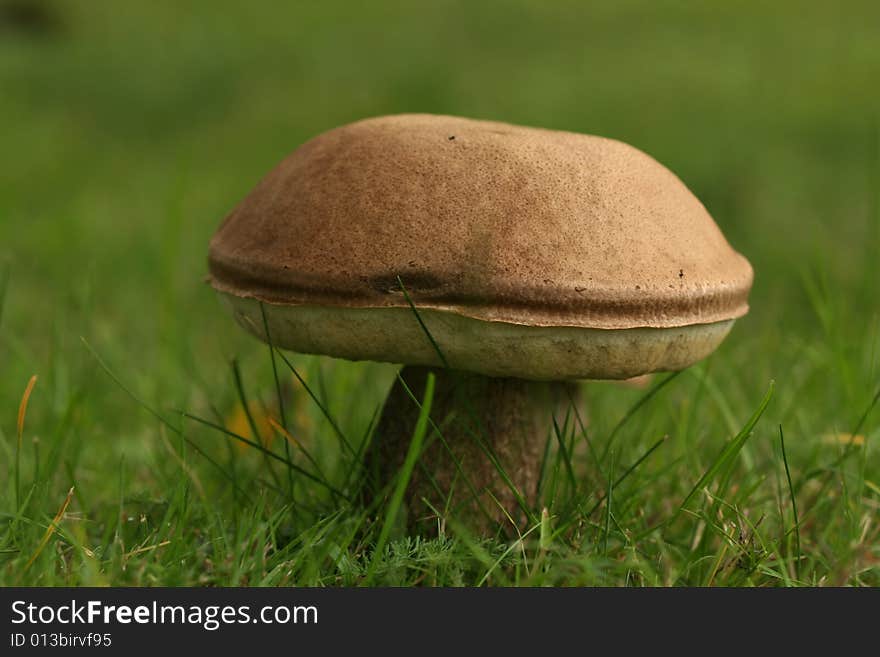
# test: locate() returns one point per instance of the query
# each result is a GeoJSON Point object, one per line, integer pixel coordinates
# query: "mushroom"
{"type": "Point", "coordinates": [509, 261]}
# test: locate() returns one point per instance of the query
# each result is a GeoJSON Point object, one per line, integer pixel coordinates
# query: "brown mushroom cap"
{"type": "Point", "coordinates": [493, 229]}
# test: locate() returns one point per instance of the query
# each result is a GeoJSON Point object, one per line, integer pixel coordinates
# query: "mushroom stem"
{"type": "Point", "coordinates": [481, 426]}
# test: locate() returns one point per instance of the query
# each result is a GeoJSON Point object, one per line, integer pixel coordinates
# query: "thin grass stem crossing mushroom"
{"type": "Point", "coordinates": [509, 261]}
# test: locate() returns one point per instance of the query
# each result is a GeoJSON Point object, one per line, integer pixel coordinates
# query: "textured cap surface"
{"type": "Point", "coordinates": [487, 220]}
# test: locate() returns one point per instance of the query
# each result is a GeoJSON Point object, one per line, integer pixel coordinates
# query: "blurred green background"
{"type": "Point", "coordinates": [128, 130]}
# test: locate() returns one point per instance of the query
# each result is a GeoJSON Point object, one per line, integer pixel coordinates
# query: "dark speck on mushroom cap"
{"type": "Point", "coordinates": [502, 223]}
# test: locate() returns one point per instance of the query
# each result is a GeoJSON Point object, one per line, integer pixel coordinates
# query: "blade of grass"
{"type": "Point", "coordinates": [514, 545]}
{"type": "Point", "coordinates": [864, 417]}
{"type": "Point", "coordinates": [422, 324]}
{"type": "Point", "coordinates": [701, 374]}
{"type": "Point", "coordinates": [456, 461]}
{"type": "Point", "coordinates": [357, 463]}
{"type": "Point", "coordinates": [476, 549]}
{"type": "Point", "coordinates": [644, 399]}
{"type": "Point", "coordinates": [412, 455]}
{"type": "Point", "coordinates": [22, 411]}
{"type": "Point", "coordinates": [566, 457]}
{"type": "Point", "coordinates": [521, 502]}
{"type": "Point", "coordinates": [539, 486]}
{"type": "Point", "coordinates": [730, 450]}
{"type": "Point", "coordinates": [242, 399]}
{"type": "Point", "coordinates": [266, 452]}
{"type": "Point", "coordinates": [19, 516]}
{"type": "Point", "coordinates": [584, 433]}
{"type": "Point", "coordinates": [284, 433]}
{"type": "Point", "coordinates": [255, 432]}
{"type": "Point", "coordinates": [278, 394]}
{"type": "Point", "coordinates": [608, 493]}
{"type": "Point", "coordinates": [716, 392]}
{"type": "Point", "coordinates": [629, 471]}
{"type": "Point", "coordinates": [53, 526]}
{"type": "Point", "coordinates": [797, 531]}
{"type": "Point", "coordinates": [342, 439]}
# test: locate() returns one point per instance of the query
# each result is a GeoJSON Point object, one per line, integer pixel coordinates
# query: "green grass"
{"type": "Point", "coordinates": [129, 133]}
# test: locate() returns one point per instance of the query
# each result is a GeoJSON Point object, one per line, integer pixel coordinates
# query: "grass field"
{"type": "Point", "coordinates": [129, 131]}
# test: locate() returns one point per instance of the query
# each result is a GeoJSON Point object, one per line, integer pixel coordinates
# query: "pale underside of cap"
{"type": "Point", "coordinates": [438, 338]}
{"type": "Point", "coordinates": [530, 246]}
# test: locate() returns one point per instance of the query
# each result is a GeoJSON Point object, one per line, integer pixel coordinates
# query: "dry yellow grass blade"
{"type": "Point", "coordinates": [146, 548]}
{"type": "Point", "coordinates": [284, 432]}
{"type": "Point", "coordinates": [22, 407]}
{"type": "Point", "coordinates": [263, 414]}
{"type": "Point", "coordinates": [51, 528]}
